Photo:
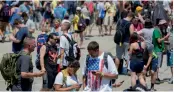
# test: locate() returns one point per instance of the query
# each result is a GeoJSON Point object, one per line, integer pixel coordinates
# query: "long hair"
{"type": "Point", "coordinates": [133, 38]}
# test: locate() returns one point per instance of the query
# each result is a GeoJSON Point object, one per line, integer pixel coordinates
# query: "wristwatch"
{"type": "Point", "coordinates": [102, 74]}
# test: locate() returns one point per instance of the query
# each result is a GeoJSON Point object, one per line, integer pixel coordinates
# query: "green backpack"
{"type": "Point", "coordinates": [8, 68]}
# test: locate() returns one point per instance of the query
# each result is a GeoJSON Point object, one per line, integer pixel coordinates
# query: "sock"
{"type": "Point", "coordinates": [152, 85]}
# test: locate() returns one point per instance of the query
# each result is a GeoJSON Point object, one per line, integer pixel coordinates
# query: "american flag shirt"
{"type": "Point", "coordinates": [93, 65]}
{"type": "Point", "coordinates": [97, 64]}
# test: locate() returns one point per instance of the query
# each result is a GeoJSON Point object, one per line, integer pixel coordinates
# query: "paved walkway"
{"type": "Point", "coordinates": [106, 44]}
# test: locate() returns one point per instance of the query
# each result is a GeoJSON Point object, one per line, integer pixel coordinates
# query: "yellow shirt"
{"type": "Point", "coordinates": [110, 9]}
{"type": "Point", "coordinates": [75, 22]}
{"type": "Point", "coordinates": [53, 5]}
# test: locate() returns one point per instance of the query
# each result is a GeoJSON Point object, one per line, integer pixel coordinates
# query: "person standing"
{"type": "Point", "coordinates": [48, 62]}
{"type": "Point", "coordinates": [98, 76]}
{"type": "Point", "coordinates": [24, 67]}
{"type": "Point", "coordinates": [122, 49]}
{"type": "Point", "coordinates": [158, 42]}
{"type": "Point", "coordinates": [18, 37]}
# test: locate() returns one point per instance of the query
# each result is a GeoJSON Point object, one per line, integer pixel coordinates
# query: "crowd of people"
{"type": "Point", "coordinates": [143, 34]}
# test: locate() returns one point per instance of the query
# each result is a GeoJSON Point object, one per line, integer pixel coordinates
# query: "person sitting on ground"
{"type": "Point", "coordinates": [67, 79]}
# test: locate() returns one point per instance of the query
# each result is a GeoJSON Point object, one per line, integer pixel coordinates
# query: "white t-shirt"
{"type": "Point", "coordinates": [91, 79]}
{"type": "Point", "coordinates": [64, 43]}
{"type": "Point", "coordinates": [30, 24]}
{"type": "Point", "coordinates": [71, 80]}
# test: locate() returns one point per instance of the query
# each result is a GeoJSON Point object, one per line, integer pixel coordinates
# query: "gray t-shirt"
{"type": "Point", "coordinates": [147, 34]}
{"type": "Point", "coordinates": [24, 64]}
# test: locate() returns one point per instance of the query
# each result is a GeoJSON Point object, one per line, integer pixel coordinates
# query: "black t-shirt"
{"type": "Point", "coordinates": [24, 64]}
{"type": "Point", "coordinates": [127, 31]}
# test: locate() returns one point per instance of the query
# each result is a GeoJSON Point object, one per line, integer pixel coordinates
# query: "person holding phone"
{"type": "Point", "coordinates": [67, 80]}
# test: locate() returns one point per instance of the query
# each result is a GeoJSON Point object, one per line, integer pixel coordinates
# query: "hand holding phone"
{"type": "Point", "coordinates": [93, 72]}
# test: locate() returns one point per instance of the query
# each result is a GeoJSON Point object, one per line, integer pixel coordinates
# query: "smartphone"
{"type": "Point", "coordinates": [93, 72]}
{"type": "Point", "coordinates": [80, 84]}
{"type": "Point", "coordinates": [122, 81]}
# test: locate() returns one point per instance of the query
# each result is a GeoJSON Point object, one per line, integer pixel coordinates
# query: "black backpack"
{"type": "Point", "coordinates": [72, 55]}
{"type": "Point", "coordinates": [81, 24]}
{"type": "Point", "coordinates": [105, 64]}
{"type": "Point", "coordinates": [120, 32]}
{"type": "Point", "coordinates": [5, 13]}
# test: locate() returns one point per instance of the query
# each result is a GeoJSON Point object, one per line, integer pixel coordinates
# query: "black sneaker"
{"type": "Point", "coordinates": [3, 39]}
{"type": "Point", "coordinates": [158, 81]}
{"type": "Point", "coordinates": [153, 89]}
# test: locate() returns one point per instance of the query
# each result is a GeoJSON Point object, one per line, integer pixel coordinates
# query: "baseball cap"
{"type": "Point", "coordinates": [161, 22]}
{"type": "Point", "coordinates": [78, 8]}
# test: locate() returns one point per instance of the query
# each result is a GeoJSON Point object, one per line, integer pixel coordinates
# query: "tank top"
{"type": "Point", "coordinates": [137, 54]}
{"type": "Point", "coordinates": [50, 59]}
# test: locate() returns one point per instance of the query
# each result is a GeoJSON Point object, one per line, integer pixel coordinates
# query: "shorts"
{"type": "Point", "coordinates": [48, 80]}
{"type": "Point", "coordinates": [160, 59]}
{"type": "Point", "coordinates": [170, 58]}
{"type": "Point", "coordinates": [136, 66]}
{"type": "Point", "coordinates": [122, 50]}
{"type": "Point", "coordinates": [77, 31]}
{"type": "Point", "coordinates": [99, 21]}
{"type": "Point", "coordinates": [87, 22]}
{"type": "Point", "coordinates": [3, 26]}
{"type": "Point", "coordinates": [108, 20]}
{"type": "Point", "coordinates": [154, 64]}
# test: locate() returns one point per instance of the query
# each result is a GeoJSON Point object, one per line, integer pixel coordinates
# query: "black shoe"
{"type": "Point", "coordinates": [153, 89]}
{"type": "Point", "coordinates": [158, 81]}
{"type": "Point", "coordinates": [3, 39]}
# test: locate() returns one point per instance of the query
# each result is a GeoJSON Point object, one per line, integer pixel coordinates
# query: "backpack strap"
{"type": "Point", "coordinates": [106, 59]}
{"type": "Point", "coordinates": [106, 63]}
{"type": "Point", "coordinates": [69, 40]}
{"type": "Point", "coordinates": [139, 44]}
{"type": "Point", "coordinates": [65, 74]}
{"type": "Point", "coordinates": [86, 70]}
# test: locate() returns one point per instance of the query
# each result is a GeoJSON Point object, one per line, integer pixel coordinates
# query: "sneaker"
{"type": "Point", "coordinates": [171, 81]}
{"type": "Point", "coordinates": [158, 81]}
{"type": "Point", "coordinates": [153, 89]}
{"type": "Point", "coordinates": [3, 39]}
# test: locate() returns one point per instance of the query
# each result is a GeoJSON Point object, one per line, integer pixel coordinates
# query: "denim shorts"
{"type": "Point", "coordinates": [160, 59]}
{"type": "Point", "coordinates": [170, 58]}
{"type": "Point", "coordinates": [154, 64]}
{"type": "Point", "coordinates": [136, 66]}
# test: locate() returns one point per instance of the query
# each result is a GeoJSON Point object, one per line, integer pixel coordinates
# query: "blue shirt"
{"type": "Point", "coordinates": [20, 35]}
{"type": "Point", "coordinates": [24, 8]}
{"type": "Point", "coordinates": [59, 12]}
{"type": "Point", "coordinates": [41, 39]}
{"type": "Point", "coordinates": [15, 16]}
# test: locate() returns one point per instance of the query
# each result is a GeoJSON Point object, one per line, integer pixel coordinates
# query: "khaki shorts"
{"type": "Point", "coordinates": [3, 26]}
{"type": "Point", "coordinates": [108, 20]}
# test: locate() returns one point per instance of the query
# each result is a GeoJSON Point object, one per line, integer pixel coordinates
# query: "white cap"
{"type": "Point", "coordinates": [66, 21]}
{"type": "Point", "coordinates": [78, 8]}
{"type": "Point", "coordinates": [161, 22]}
